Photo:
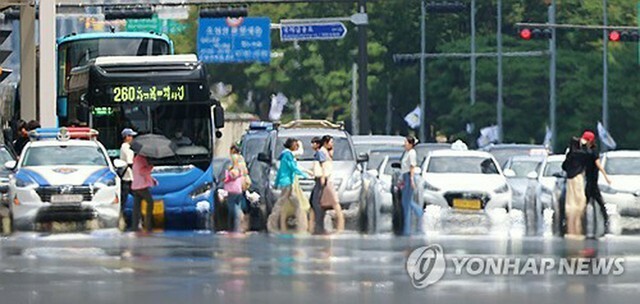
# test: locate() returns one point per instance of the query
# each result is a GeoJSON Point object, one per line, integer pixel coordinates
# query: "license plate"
{"type": "Point", "coordinates": [472, 204]}
{"type": "Point", "coordinates": [66, 198]}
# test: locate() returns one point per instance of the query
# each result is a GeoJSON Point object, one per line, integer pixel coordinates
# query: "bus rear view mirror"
{"type": "Point", "coordinates": [218, 117]}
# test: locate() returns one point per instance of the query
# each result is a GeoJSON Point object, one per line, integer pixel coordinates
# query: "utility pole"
{"type": "Point", "coordinates": [500, 101]}
{"type": "Point", "coordinates": [423, 47]}
{"type": "Point", "coordinates": [363, 91]}
{"type": "Point", "coordinates": [552, 74]}
{"type": "Point", "coordinates": [605, 68]}
{"type": "Point", "coordinates": [355, 123]}
{"type": "Point", "coordinates": [472, 78]}
{"type": "Point", "coordinates": [389, 110]}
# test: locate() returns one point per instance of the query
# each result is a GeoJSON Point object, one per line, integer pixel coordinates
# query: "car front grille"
{"type": "Point", "coordinates": [308, 184]}
{"type": "Point", "coordinates": [45, 193]}
{"type": "Point", "coordinates": [483, 197]}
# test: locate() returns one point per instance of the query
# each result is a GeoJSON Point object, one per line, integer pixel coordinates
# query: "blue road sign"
{"type": "Point", "coordinates": [319, 31]}
{"type": "Point", "coordinates": [227, 40]}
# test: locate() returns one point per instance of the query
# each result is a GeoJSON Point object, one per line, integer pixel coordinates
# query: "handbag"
{"type": "Point", "coordinates": [329, 196]}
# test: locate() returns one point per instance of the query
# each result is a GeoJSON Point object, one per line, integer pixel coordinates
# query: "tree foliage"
{"type": "Point", "coordinates": [318, 74]}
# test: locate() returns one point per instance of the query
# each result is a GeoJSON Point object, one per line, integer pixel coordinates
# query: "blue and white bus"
{"type": "Point", "coordinates": [75, 50]}
{"type": "Point", "coordinates": [166, 95]}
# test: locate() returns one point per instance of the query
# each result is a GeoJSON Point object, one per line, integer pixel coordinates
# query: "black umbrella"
{"type": "Point", "coordinates": [152, 146]}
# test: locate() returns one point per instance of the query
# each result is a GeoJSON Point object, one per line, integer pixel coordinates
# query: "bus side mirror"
{"type": "Point", "coordinates": [218, 117]}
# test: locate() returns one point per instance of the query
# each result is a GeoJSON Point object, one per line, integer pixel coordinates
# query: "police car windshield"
{"type": "Point", "coordinates": [64, 156]}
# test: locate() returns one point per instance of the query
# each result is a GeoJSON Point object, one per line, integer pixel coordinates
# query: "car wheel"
{"type": "Point", "coordinates": [530, 217]}
{"type": "Point", "coordinates": [368, 216]}
{"type": "Point", "coordinates": [397, 219]}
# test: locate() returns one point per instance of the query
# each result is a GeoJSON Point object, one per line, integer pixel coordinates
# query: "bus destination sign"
{"type": "Point", "coordinates": [148, 93]}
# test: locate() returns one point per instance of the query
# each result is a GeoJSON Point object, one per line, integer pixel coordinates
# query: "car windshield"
{"type": "Point", "coordinates": [465, 164]}
{"type": "Point", "coordinates": [64, 156]}
{"type": "Point", "coordinates": [341, 148]}
{"type": "Point", "coordinates": [376, 158]}
{"type": "Point", "coordinates": [522, 168]}
{"type": "Point", "coordinates": [553, 168]}
{"type": "Point", "coordinates": [623, 166]}
{"type": "Point", "coordinates": [251, 146]}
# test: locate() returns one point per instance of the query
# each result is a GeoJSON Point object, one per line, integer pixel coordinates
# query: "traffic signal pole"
{"type": "Point", "coordinates": [363, 58]}
{"type": "Point", "coordinates": [473, 61]}
{"type": "Point", "coordinates": [500, 79]}
{"type": "Point", "coordinates": [552, 75]}
{"type": "Point", "coordinates": [605, 67]}
{"type": "Point", "coordinates": [423, 42]}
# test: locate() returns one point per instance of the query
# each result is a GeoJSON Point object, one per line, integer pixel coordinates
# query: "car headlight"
{"type": "Point", "coordinates": [202, 191]}
{"type": "Point", "coordinates": [607, 189]}
{"type": "Point", "coordinates": [430, 187]}
{"type": "Point", "coordinates": [22, 182]}
{"type": "Point", "coordinates": [355, 181]}
{"type": "Point", "coordinates": [502, 189]}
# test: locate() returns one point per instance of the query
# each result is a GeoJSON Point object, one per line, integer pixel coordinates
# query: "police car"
{"type": "Point", "coordinates": [64, 175]}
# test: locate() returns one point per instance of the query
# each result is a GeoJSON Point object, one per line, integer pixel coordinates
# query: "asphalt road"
{"type": "Point", "coordinates": [187, 267]}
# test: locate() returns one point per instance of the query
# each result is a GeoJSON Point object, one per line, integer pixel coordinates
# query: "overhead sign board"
{"type": "Point", "coordinates": [234, 40]}
{"type": "Point", "coordinates": [318, 31]}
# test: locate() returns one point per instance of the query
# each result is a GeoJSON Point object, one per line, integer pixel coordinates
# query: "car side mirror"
{"type": "Point", "coordinates": [11, 165]}
{"type": "Point", "coordinates": [509, 173]}
{"type": "Point", "coordinates": [395, 165]}
{"type": "Point", "coordinates": [120, 166]}
{"type": "Point", "coordinates": [362, 158]}
{"type": "Point", "coordinates": [532, 175]}
{"type": "Point", "coordinates": [263, 157]}
{"type": "Point", "coordinates": [218, 117]}
{"type": "Point", "coordinates": [373, 172]}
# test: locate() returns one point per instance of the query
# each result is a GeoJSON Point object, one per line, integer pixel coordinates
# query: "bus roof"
{"type": "Point", "coordinates": [108, 35]}
{"type": "Point", "coordinates": [143, 60]}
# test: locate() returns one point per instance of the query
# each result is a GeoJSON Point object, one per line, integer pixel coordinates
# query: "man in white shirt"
{"type": "Point", "coordinates": [126, 154]}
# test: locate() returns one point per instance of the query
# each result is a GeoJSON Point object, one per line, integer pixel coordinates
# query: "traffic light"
{"type": "Point", "coordinates": [535, 33]}
{"type": "Point", "coordinates": [446, 7]}
{"type": "Point", "coordinates": [223, 12]}
{"type": "Point", "coordinates": [624, 36]}
{"type": "Point", "coordinates": [128, 12]}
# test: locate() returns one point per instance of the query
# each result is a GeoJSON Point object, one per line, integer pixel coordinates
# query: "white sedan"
{"type": "Point", "coordinates": [623, 168]}
{"type": "Point", "coordinates": [465, 180]}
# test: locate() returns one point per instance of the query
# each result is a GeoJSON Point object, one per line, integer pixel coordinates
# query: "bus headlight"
{"type": "Point", "coordinates": [202, 191]}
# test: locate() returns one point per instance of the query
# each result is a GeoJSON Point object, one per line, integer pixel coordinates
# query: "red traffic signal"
{"type": "Point", "coordinates": [525, 34]}
{"type": "Point", "coordinates": [535, 33]}
{"type": "Point", "coordinates": [614, 36]}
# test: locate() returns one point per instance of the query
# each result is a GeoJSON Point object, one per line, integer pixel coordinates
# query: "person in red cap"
{"type": "Point", "coordinates": [593, 167]}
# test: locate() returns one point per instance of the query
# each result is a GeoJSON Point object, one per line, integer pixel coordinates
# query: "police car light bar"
{"type": "Point", "coordinates": [261, 125]}
{"type": "Point", "coordinates": [63, 133]}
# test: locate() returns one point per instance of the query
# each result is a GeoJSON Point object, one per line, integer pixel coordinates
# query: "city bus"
{"type": "Point", "coordinates": [165, 95]}
{"type": "Point", "coordinates": [77, 49]}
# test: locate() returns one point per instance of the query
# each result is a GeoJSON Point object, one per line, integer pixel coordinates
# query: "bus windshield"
{"type": "Point", "coordinates": [77, 53]}
{"type": "Point", "coordinates": [188, 126]}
